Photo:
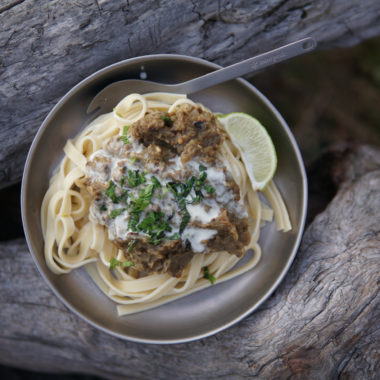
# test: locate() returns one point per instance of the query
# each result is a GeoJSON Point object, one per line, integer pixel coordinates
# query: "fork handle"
{"type": "Point", "coordinates": [250, 65]}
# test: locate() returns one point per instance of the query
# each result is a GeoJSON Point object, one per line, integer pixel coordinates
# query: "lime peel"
{"type": "Point", "coordinates": [255, 146]}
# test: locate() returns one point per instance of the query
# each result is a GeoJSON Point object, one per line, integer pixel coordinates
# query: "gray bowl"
{"type": "Point", "coordinates": [210, 310]}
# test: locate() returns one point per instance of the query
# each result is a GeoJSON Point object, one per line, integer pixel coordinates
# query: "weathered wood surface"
{"type": "Point", "coordinates": [46, 47]}
{"type": "Point", "coordinates": [321, 323]}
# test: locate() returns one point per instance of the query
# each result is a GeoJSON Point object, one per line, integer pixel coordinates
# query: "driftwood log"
{"type": "Point", "coordinates": [46, 47]}
{"type": "Point", "coordinates": [321, 323]}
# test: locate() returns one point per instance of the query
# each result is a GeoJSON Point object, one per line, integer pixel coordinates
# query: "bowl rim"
{"type": "Point", "coordinates": [94, 76]}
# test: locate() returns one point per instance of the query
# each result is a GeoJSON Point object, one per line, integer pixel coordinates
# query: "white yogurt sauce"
{"type": "Point", "coordinates": [199, 213]}
{"type": "Point", "coordinates": [204, 212]}
{"type": "Point", "coordinates": [198, 237]}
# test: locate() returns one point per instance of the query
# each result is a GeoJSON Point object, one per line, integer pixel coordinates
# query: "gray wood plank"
{"type": "Point", "coordinates": [46, 47]}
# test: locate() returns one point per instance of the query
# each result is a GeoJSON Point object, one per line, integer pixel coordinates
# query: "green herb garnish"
{"type": "Point", "coordinates": [135, 178]}
{"type": "Point", "coordinates": [131, 244]}
{"type": "Point", "coordinates": [156, 182]}
{"type": "Point", "coordinates": [155, 226]}
{"type": "Point", "coordinates": [151, 222]}
{"type": "Point", "coordinates": [102, 208]}
{"type": "Point", "coordinates": [125, 140]}
{"type": "Point", "coordinates": [209, 189]}
{"type": "Point", "coordinates": [122, 196]}
{"type": "Point", "coordinates": [182, 190]}
{"type": "Point", "coordinates": [144, 199]}
{"type": "Point", "coordinates": [124, 264]}
{"type": "Point", "coordinates": [200, 181]}
{"type": "Point", "coordinates": [110, 192]}
{"type": "Point", "coordinates": [208, 276]}
{"type": "Point", "coordinates": [117, 212]}
{"type": "Point", "coordinates": [185, 215]}
{"type": "Point", "coordinates": [138, 205]}
{"type": "Point", "coordinates": [175, 236]}
{"type": "Point", "coordinates": [167, 120]}
{"type": "Point", "coordinates": [133, 221]}
{"type": "Point", "coordinates": [124, 137]}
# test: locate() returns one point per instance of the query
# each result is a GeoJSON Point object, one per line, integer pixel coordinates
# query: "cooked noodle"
{"type": "Point", "coordinates": [72, 240]}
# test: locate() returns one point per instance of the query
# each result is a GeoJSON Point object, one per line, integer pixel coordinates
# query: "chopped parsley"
{"type": "Point", "coordinates": [155, 226]}
{"type": "Point", "coordinates": [175, 236]}
{"type": "Point", "coordinates": [102, 208]}
{"type": "Point", "coordinates": [131, 244]}
{"type": "Point", "coordinates": [208, 276]}
{"type": "Point", "coordinates": [199, 182]}
{"type": "Point", "coordinates": [151, 222]}
{"type": "Point", "coordinates": [133, 221]}
{"type": "Point", "coordinates": [134, 178]}
{"type": "Point", "coordinates": [209, 189]}
{"type": "Point", "coordinates": [117, 212]}
{"type": "Point", "coordinates": [138, 205]}
{"type": "Point", "coordinates": [110, 192]}
{"type": "Point", "coordinates": [185, 214]}
{"type": "Point", "coordinates": [156, 182]}
{"type": "Point", "coordinates": [167, 120]}
{"type": "Point", "coordinates": [156, 241]}
{"type": "Point", "coordinates": [124, 137]}
{"type": "Point", "coordinates": [124, 196]}
{"type": "Point", "coordinates": [124, 264]}
{"type": "Point", "coordinates": [181, 192]}
{"type": "Point", "coordinates": [154, 223]}
{"type": "Point", "coordinates": [144, 198]}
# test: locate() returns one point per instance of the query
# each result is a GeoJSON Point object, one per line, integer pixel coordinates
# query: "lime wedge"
{"type": "Point", "coordinates": [255, 146]}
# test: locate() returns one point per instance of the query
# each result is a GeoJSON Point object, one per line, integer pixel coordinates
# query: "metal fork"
{"type": "Point", "coordinates": [107, 98]}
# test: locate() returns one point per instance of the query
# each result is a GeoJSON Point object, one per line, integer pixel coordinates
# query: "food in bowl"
{"type": "Point", "coordinates": [157, 199]}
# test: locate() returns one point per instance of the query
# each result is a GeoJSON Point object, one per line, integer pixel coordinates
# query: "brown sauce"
{"type": "Point", "coordinates": [157, 140]}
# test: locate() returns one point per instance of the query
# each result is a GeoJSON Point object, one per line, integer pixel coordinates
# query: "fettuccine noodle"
{"type": "Point", "coordinates": [72, 240]}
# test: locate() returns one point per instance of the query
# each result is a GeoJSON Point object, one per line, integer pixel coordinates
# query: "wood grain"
{"type": "Point", "coordinates": [321, 323]}
{"type": "Point", "coordinates": [46, 47]}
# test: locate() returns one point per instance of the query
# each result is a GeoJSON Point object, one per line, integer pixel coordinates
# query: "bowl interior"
{"type": "Point", "coordinates": [205, 312]}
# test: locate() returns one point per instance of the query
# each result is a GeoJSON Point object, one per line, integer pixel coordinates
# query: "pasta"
{"type": "Point", "coordinates": [74, 239]}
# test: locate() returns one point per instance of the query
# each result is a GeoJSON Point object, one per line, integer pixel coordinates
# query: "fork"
{"type": "Point", "coordinates": [107, 98]}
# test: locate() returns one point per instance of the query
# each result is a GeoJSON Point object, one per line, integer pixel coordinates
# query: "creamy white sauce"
{"type": "Point", "coordinates": [175, 164]}
{"type": "Point", "coordinates": [121, 226]}
{"type": "Point", "coordinates": [199, 213]}
{"type": "Point", "coordinates": [216, 175]}
{"type": "Point", "coordinates": [98, 171]}
{"type": "Point", "coordinates": [163, 200]}
{"type": "Point", "coordinates": [198, 237]}
{"type": "Point", "coordinates": [136, 147]}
